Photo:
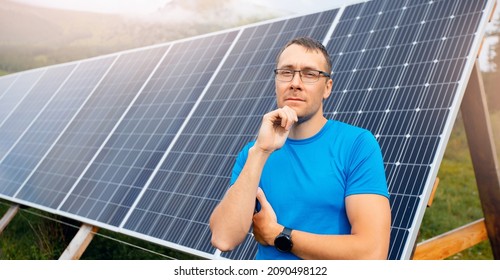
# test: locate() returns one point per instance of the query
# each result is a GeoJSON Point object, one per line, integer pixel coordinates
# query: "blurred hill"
{"type": "Point", "coordinates": [33, 37]}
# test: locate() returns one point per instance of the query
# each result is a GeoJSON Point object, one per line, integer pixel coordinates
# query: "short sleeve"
{"type": "Point", "coordinates": [366, 167]}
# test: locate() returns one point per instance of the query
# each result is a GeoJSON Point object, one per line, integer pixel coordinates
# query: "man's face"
{"type": "Point", "coordinates": [305, 98]}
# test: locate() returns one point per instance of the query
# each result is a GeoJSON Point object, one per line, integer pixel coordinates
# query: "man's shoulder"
{"type": "Point", "coordinates": [346, 129]}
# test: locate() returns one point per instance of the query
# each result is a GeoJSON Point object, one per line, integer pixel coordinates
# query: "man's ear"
{"type": "Point", "coordinates": [328, 89]}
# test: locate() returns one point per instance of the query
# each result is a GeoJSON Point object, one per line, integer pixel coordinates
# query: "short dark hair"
{"type": "Point", "coordinates": [310, 44]}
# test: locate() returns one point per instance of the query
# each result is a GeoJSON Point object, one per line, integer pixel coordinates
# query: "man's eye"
{"type": "Point", "coordinates": [286, 72]}
{"type": "Point", "coordinates": [309, 74]}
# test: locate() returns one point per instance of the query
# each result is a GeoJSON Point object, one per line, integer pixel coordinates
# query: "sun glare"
{"type": "Point", "coordinates": [102, 6]}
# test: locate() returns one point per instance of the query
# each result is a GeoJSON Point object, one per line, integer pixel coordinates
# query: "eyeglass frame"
{"type": "Point", "coordinates": [321, 74]}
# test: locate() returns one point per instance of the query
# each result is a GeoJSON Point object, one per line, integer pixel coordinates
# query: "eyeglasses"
{"type": "Point", "coordinates": [307, 76]}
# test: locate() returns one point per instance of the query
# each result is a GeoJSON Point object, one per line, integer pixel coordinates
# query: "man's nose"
{"type": "Point", "coordinates": [296, 80]}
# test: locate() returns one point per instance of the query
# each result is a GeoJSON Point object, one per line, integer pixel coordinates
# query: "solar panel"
{"type": "Point", "coordinates": [30, 107]}
{"type": "Point", "coordinates": [5, 84]}
{"type": "Point", "coordinates": [15, 93]}
{"type": "Point", "coordinates": [400, 71]}
{"type": "Point", "coordinates": [68, 158]}
{"type": "Point", "coordinates": [30, 148]}
{"type": "Point", "coordinates": [115, 178]}
{"type": "Point", "coordinates": [143, 142]}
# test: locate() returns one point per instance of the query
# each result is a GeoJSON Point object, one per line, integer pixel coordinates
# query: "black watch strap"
{"type": "Point", "coordinates": [287, 231]}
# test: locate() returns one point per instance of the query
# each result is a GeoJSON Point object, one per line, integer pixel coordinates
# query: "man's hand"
{"type": "Point", "coordinates": [265, 223]}
{"type": "Point", "coordinates": [275, 128]}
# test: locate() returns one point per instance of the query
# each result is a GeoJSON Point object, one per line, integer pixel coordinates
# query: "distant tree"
{"type": "Point", "coordinates": [491, 78]}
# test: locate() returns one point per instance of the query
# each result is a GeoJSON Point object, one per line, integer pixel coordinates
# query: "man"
{"type": "Point", "coordinates": [320, 184]}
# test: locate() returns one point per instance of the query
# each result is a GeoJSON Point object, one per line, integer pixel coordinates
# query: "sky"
{"type": "Point", "coordinates": [102, 6]}
{"type": "Point", "coordinates": [147, 6]}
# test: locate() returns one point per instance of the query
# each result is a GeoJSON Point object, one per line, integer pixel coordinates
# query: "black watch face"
{"type": "Point", "coordinates": [283, 243]}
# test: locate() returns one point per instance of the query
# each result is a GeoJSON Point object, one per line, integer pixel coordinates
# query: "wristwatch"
{"type": "Point", "coordinates": [283, 242]}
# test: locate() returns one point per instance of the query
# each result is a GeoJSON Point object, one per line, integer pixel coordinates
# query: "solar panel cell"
{"type": "Point", "coordinates": [5, 84]}
{"type": "Point", "coordinates": [14, 94]}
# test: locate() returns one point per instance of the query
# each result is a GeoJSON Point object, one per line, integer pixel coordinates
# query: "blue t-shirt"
{"type": "Point", "coordinates": [306, 181]}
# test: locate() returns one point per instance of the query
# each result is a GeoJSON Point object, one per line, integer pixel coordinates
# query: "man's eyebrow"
{"type": "Point", "coordinates": [289, 66]}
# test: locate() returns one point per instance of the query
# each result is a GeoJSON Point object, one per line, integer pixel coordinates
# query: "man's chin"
{"type": "Point", "coordinates": [293, 105]}
{"type": "Point", "coordinates": [302, 119]}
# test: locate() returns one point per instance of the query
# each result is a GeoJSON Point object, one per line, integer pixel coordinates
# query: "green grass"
{"type": "Point", "coordinates": [456, 201]}
{"type": "Point", "coordinates": [37, 235]}
{"type": "Point", "coordinates": [29, 237]}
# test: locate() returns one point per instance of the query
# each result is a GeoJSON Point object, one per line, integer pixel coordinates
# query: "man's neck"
{"type": "Point", "coordinates": [307, 128]}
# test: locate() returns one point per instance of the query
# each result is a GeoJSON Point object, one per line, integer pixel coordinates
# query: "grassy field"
{"type": "Point", "coordinates": [37, 235]}
{"type": "Point", "coordinates": [456, 203]}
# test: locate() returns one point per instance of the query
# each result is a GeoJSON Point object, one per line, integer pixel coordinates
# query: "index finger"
{"type": "Point", "coordinates": [291, 117]}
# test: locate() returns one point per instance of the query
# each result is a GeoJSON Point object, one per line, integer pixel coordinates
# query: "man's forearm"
{"type": "Point", "coordinates": [348, 247]}
{"type": "Point", "coordinates": [232, 218]}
